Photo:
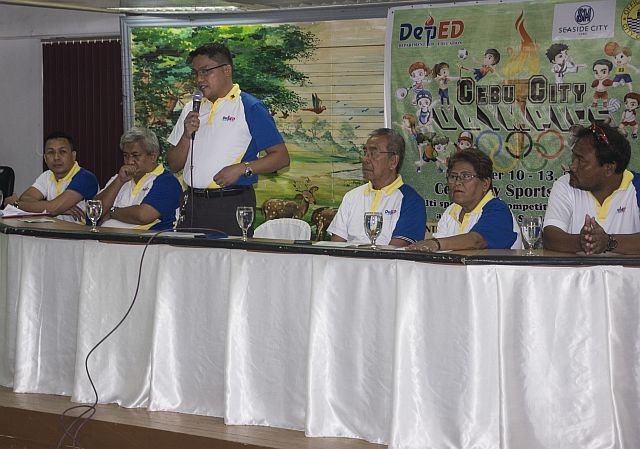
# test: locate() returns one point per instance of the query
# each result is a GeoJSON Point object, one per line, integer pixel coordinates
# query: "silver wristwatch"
{"type": "Point", "coordinates": [247, 170]}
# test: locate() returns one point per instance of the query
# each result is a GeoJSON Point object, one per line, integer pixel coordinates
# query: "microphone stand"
{"type": "Point", "coordinates": [193, 138]}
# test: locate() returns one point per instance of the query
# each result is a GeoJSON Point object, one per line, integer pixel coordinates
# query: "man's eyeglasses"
{"type": "Point", "coordinates": [204, 72]}
{"type": "Point", "coordinates": [373, 154]}
{"type": "Point", "coordinates": [462, 177]}
{"type": "Point", "coordinates": [132, 156]}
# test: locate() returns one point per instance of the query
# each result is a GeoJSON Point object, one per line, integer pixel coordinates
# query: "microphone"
{"type": "Point", "coordinates": [197, 101]}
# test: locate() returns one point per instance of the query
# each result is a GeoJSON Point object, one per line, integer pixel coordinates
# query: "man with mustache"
{"type": "Point", "coordinates": [143, 194]}
{"type": "Point", "coordinates": [403, 209]}
{"type": "Point", "coordinates": [595, 207]}
{"type": "Point", "coordinates": [60, 191]}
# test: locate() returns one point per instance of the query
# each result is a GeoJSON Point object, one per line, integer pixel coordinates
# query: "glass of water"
{"type": "Point", "coordinates": [373, 226]}
{"type": "Point", "coordinates": [94, 212]}
{"type": "Point", "coordinates": [244, 215]}
{"type": "Point", "coordinates": [531, 228]}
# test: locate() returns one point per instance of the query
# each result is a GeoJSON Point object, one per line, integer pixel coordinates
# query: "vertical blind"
{"type": "Point", "coordinates": [82, 96]}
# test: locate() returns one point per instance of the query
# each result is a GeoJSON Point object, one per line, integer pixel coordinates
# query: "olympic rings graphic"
{"type": "Point", "coordinates": [506, 168]}
{"type": "Point", "coordinates": [524, 154]}
{"type": "Point", "coordinates": [560, 139]}
{"type": "Point", "coordinates": [496, 150]}
{"type": "Point", "coordinates": [539, 147]}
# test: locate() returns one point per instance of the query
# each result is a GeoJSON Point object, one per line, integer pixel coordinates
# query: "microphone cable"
{"type": "Point", "coordinates": [90, 409]}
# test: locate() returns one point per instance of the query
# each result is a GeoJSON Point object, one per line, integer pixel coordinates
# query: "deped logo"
{"type": "Point", "coordinates": [445, 29]}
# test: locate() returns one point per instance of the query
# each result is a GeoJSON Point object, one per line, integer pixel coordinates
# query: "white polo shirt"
{"type": "Point", "coordinates": [404, 215]}
{"type": "Point", "coordinates": [619, 214]}
{"type": "Point", "coordinates": [233, 129]}
{"type": "Point", "coordinates": [78, 179]}
{"type": "Point", "coordinates": [159, 189]}
{"type": "Point", "coordinates": [491, 218]}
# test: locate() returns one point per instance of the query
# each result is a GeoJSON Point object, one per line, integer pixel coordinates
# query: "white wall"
{"type": "Point", "coordinates": [21, 30]}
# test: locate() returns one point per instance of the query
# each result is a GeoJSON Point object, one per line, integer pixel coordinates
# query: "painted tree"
{"type": "Point", "coordinates": [263, 66]}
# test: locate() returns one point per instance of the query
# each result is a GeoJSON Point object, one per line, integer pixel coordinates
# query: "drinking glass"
{"type": "Point", "coordinates": [373, 226]}
{"type": "Point", "coordinates": [94, 212]}
{"type": "Point", "coordinates": [244, 215]}
{"type": "Point", "coordinates": [531, 228]}
{"type": "Point", "coordinates": [1, 199]}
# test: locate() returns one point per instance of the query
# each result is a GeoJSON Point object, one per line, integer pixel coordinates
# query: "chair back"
{"type": "Point", "coordinates": [284, 229]}
{"type": "Point", "coordinates": [7, 179]}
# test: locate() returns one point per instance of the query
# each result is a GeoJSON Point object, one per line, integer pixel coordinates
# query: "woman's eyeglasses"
{"type": "Point", "coordinates": [464, 178]}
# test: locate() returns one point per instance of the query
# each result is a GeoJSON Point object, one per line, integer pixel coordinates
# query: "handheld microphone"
{"type": "Point", "coordinates": [197, 101]}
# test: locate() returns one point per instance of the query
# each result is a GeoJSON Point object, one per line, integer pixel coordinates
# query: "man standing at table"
{"type": "Point", "coordinates": [596, 206]}
{"type": "Point", "coordinates": [220, 160]}
{"type": "Point", "coordinates": [404, 215]}
{"type": "Point", "coordinates": [143, 194]}
{"type": "Point", "coordinates": [62, 190]}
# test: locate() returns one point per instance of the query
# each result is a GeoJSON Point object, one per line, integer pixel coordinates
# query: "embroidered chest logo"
{"type": "Point", "coordinates": [390, 212]}
{"type": "Point", "coordinates": [145, 189]}
{"type": "Point", "coordinates": [228, 118]}
{"type": "Point", "coordinates": [621, 210]}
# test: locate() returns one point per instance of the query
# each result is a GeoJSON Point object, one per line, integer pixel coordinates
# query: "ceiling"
{"type": "Point", "coordinates": [197, 6]}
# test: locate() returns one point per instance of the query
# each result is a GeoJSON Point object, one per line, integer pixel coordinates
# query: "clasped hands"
{"type": "Point", "coordinates": [593, 238]}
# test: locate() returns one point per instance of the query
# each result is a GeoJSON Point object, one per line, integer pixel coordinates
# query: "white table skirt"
{"type": "Point", "coordinates": [414, 355]}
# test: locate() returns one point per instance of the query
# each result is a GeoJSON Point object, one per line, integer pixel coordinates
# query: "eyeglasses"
{"type": "Point", "coordinates": [373, 154]}
{"type": "Point", "coordinates": [205, 72]}
{"type": "Point", "coordinates": [462, 177]}
{"type": "Point", "coordinates": [133, 156]}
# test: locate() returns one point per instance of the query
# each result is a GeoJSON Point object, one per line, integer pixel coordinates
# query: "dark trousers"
{"type": "Point", "coordinates": [215, 211]}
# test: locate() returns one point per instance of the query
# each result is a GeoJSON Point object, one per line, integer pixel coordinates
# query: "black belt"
{"type": "Point", "coordinates": [219, 193]}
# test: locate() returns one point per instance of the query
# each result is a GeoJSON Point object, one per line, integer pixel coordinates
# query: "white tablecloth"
{"type": "Point", "coordinates": [415, 355]}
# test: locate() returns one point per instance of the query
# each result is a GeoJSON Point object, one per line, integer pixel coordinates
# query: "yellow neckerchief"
{"type": "Point", "coordinates": [75, 169]}
{"type": "Point", "coordinates": [156, 171]}
{"type": "Point", "coordinates": [395, 185]}
{"type": "Point", "coordinates": [602, 209]}
{"type": "Point", "coordinates": [455, 211]}
{"type": "Point", "coordinates": [232, 95]}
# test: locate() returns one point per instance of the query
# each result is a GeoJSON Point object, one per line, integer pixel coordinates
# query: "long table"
{"type": "Point", "coordinates": [453, 350]}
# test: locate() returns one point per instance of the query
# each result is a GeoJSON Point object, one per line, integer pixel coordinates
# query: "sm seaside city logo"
{"type": "Point", "coordinates": [443, 32]}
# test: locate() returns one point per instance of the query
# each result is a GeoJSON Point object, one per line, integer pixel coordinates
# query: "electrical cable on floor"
{"type": "Point", "coordinates": [89, 410]}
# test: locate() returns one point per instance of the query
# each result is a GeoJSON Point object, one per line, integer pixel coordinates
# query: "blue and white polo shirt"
{"type": "Point", "coordinates": [159, 189]}
{"type": "Point", "coordinates": [491, 218]}
{"type": "Point", "coordinates": [404, 215]}
{"type": "Point", "coordinates": [233, 129]}
{"type": "Point", "coordinates": [78, 179]}
{"type": "Point", "coordinates": [619, 214]}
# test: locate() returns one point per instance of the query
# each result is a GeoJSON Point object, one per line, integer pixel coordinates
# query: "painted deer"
{"type": "Point", "coordinates": [322, 218]}
{"type": "Point", "coordinates": [296, 208]}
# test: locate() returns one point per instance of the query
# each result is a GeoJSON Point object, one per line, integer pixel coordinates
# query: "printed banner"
{"type": "Point", "coordinates": [510, 79]}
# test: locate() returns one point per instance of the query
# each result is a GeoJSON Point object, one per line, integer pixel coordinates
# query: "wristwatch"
{"type": "Point", "coordinates": [247, 170]}
{"type": "Point", "coordinates": [612, 243]}
{"type": "Point", "coordinates": [111, 211]}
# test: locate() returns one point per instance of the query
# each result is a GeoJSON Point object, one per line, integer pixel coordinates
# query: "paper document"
{"type": "Point", "coordinates": [13, 212]}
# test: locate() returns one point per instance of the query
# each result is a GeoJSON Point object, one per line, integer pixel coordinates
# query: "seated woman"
{"type": "Point", "coordinates": [475, 219]}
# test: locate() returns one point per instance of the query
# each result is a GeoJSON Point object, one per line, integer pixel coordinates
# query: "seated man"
{"type": "Point", "coordinates": [61, 190]}
{"type": "Point", "coordinates": [404, 212]}
{"type": "Point", "coordinates": [596, 206]}
{"type": "Point", "coordinates": [143, 194]}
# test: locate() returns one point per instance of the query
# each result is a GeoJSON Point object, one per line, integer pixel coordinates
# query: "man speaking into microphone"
{"type": "Point", "coordinates": [216, 143]}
